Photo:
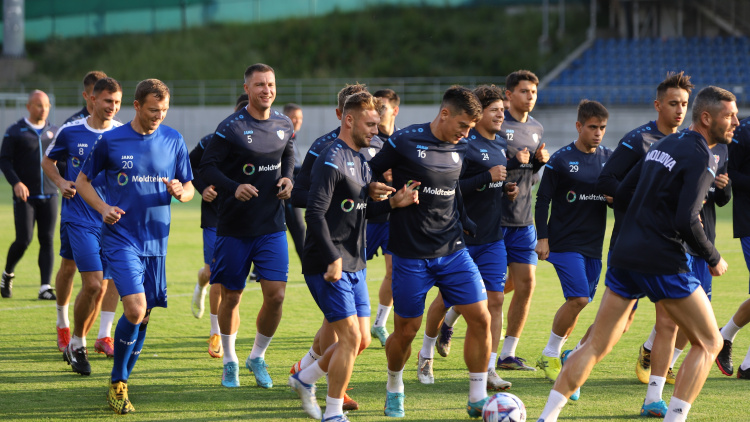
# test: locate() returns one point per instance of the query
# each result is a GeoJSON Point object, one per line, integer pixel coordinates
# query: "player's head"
{"type": "Point", "coordinates": [38, 106]}
{"type": "Point", "coordinates": [106, 97]}
{"type": "Point", "coordinates": [360, 117]}
{"type": "Point", "coordinates": [294, 113]}
{"type": "Point", "coordinates": [88, 84]}
{"type": "Point", "coordinates": [521, 89]}
{"type": "Point", "coordinates": [391, 102]}
{"type": "Point", "coordinates": [151, 104]}
{"type": "Point", "coordinates": [493, 110]}
{"type": "Point", "coordinates": [344, 94]}
{"type": "Point", "coordinates": [715, 114]}
{"type": "Point", "coordinates": [591, 123]}
{"type": "Point", "coordinates": [260, 86]}
{"type": "Point", "coordinates": [241, 102]}
{"type": "Point", "coordinates": [672, 96]}
{"type": "Point", "coordinates": [459, 112]}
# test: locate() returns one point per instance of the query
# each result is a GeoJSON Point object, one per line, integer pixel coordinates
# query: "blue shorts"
{"type": "Point", "coordinates": [342, 299]}
{"type": "Point", "coordinates": [233, 257]}
{"type": "Point", "coordinates": [83, 242]}
{"type": "Point", "coordinates": [745, 241]}
{"type": "Point", "coordinates": [377, 237]}
{"type": "Point", "coordinates": [66, 251]}
{"type": "Point", "coordinates": [699, 267]}
{"type": "Point", "coordinates": [579, 275]}
{"type": "Point", "coordinates": [491, 262]}
{"type": "Point", "coordinates": [209, 244]}
{"type": "Point", "coordinates": [634, 285]}
{"type": "Point", "coordinates": [520, 243]}
{"type": "Point", "coordinates": [455, 275]}
{"type": "Point", "coordinates": [133, 274]}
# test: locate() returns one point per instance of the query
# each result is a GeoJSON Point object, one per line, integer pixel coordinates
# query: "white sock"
{"type": "Point", "coordinates": [428, 347]}
{"type": "Point", "coordinates": [509, 347]}
{"type": "Point", "coordinates": [746, 362]}
{"type": "Point", "coordinates": [334, 407]}
{"type": "Point", "coordinates": [105, 324]}
{"type": "Point", "coordinates": [678, 410]}
{"type": "Point", "coordinates": [44, 288]}
{"type": "Point", "coordinates": [477, 386]}
{"type": "Point", "coordinates": [62, 316]}
{"type": "Point", "coordinates": [214, 325]}
{"type": "Point", "coordinates": [311, 374]}
{"type": "Point", "coordinates": [655, 388]}
{"type": "Point", "coordinates": [395, 382]}
{"type": "Point", "coordinates": [555, 403]}
{"type": "Point", "coordinates": [491, 363]}
{"type": "Point", "coordinates": [730, 330]}
{"type": "Point", "coordinates": [676, 354]}
{"type": "Point", "coordinates": [451, 317]}
{"type": "Point", "coordinates": [649, 344]}
{"type": "Point", "coordinates": [382, 316]}
{"type": "Point", "coordinates": [554, 344]}
{"type": "Point", "coordinates": [260, 345]}
{"type": "Point", "coordinates": [227, 342]}
{"type": "Point", "coordinates": [77, 342]}
{"type": "Point", "coordinates": [309, 358]}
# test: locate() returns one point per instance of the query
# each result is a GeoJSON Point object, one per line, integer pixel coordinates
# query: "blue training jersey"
{"type": "Point", "coordinates": [134, 165]}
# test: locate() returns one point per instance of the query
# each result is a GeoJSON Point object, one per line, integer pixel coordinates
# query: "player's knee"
{"type": "Point", "coordinates": [714, 344]}
{"type": "Point", "coordinates": [578, 302]}
{"type": "Point", "coordinates": [93, 288]}
{"type": "Point", "coordinates": [274, 299]}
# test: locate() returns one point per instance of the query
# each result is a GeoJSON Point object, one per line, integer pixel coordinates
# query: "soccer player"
{"type": "Point", "coordinates": [89, 81]}
{"type": "Point", "coordinates": [528, 154]}
{"type": "Point", "coordinates": [669, 185]}
{"type": "Point", "coordinates": [294, 220]}
{"type": "Point", "coordinates": [34, 194]}
{"type": "Point", "coordinates": [145, 164]}
{"type": "Point", "coordinates": [333, 261]}
{"type": "Point", "coordinates": [80, 225]}
{"type": "Point", "coordinates": [209, 217]}
{"type": "Point", "coordinates": [571, 234]}
{"type": "Point", "coordinates": [250, 162]}
{"type": "Point", "coordinates": [427, 242]}
{"type": "Point", "coordinates": [739, 173]}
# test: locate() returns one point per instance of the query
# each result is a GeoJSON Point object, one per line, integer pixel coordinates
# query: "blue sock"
{"type": "Point", "coordinates": [138, 347]}
{"type": "Point", "coordinates": [126, 334]}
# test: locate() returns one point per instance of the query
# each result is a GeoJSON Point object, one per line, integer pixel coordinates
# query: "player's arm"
{"type": "Point", "coordinates": [547, 188]}
{"type": "Point", "coordinates": [323, 184]}
{"type": "Point", "coordinates": [471, 183]}
{"type": "Point", "coordinates": [387, 158]}
{"type": "Point", "coordinates": [214, 156]}
{"type": "Point", "coordinates": [615, 169]}
{"type": "Point", "coordinates": [738, 163]}
{"type": "Point", "coordinates": [195, 162]}
{"type": "Point", "coordinates": [468, 225]}
{"type": "Point", "coordinates": [522, 157]}
{"type": "Point", "coordinates": [541, 157]}
{"type": "Point", "coordinates": [181, 186]}
{"type": "Point", "coordinates": [93, 165]}
{"type": "Point", "coordinates": [67, 188]}
{"type": "Point", "coordinates": [723, 192]}
{"type": "Point", "coordinates": [7, 152]}
{"type": "Point", "coordinates": [301, 188]}
{"type": "Point", "coordinates": [626, 188]}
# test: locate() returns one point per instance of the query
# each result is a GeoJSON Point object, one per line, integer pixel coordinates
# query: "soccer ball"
{"type": "Point", "coordinates": [504, 407]}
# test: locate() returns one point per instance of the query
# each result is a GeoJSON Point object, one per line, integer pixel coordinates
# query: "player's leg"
{"type": "Point", "coordinates": [729, 332]}
{"type": "Point", "coordinates": [23, 219]}
{"type": "Point", "coordinates": [435, 314]}
{"type": "Point", "coordinates": [104, 342]}
{"type": "Point", "coordinates": [64, 287]}
{"type": "Point", "coordinates": [204, 274]}
{"type": "Point", "coordinates": [377, 236]}
{"type": "Point", "coordinates": [661, 356]}
{"type": "Point", "coordinates": [46, 217]}
{"type": "Point", "coordinates": [215, 349]}
{"type": "Point", "coordinates": [85, 310]}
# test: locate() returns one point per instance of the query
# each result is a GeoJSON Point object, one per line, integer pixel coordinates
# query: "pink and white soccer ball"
{"type": "Point", "coordinates": [504, 407]}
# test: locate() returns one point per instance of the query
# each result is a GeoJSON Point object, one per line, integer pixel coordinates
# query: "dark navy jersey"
{"type": "Point", "coordinates": [80, 114]}
{"type": "Point", "coordinates": [518, 136]}
{"type": "Point", "coordinates": [21, 157]}
{"type": "Point", "coordinates": [376, 144]}
{"type": "Point", "coordinates": [336, 210]}
{"type": "Point", "coordinates": [632, 147]}
{"type": "Point", "coordinates": [739, 174]}
{"type": "Point", "coordinates": [715, 196]}
{"type": "Point", "coordinates": [430, 229]}
{"type": "Point", "coordinates": [578, 218]}
{"type": "Point", "coordinates": [209, 210]}
{"type": "Point", "coordinates": [483, 197]}
{"type": "Point", "coordinates": [245, 150]}
{"type": "Point", "coordinates": [302, 181]}
{"type": "Point", "coordinates": [669, 186]}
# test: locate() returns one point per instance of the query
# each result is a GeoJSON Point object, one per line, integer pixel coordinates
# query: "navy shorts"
{"type": "Point", "coordinates": [133, 274]}
{"type": "Point", "coordinates": [491, 260]}
{"type": "Point", "coordinates": [209, 244]}
{"type": "Point", "coordinates": [83, 242]}
{"type": "Point", "coordinates": [377, 237]}
{"type": "Point", "coordinates": [233, 257]}
{"type": "Point", "coordinates": [520, 242]}
{"type": "Point", "coordinates": [455, 275]}
{"type": "Point", "coordinates": [342, 299]}
{"type": "Point", "coordinates": [579, 275]}
{"type": "Point", "coordinates": [700, 270]}
{"type": "Point", "coordinates": [745, 241]}
{"type": "Point", "coordinates": [635, 285]}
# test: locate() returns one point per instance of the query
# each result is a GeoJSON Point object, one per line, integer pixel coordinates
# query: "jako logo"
{"type": "Point", "coordinates": [122, 179]}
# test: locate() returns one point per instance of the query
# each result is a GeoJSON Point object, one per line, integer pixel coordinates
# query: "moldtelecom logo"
{"type": "Point", "coordinates": [122, 179]}
{"type": "Point", "coordinates": [347, 205]}
{"type": "Point", "coordinates": [248, 169]}
{"type": "Point", "coordinates": [76, 162]}
{"type": "Point", "coordinates": [571, 196]}
{"type": "Point", "coordinates": [409, 183]}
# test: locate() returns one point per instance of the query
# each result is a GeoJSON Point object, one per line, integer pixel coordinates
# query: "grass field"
{"type": "Point", "coordinates": [175, 379]}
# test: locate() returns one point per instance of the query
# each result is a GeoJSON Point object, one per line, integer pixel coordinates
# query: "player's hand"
{"type": "Point", "coordinates": [285, 188]}
{"type": "Point", "coordinates": [542, 248]}
{"type": "Point", "coordinates": [245, 192]}
{"type": "Point", "coordinates": [209, 194]}
{"type": "Point", "coordinates": [541, 154]}
{"type": "Point", "coordinates": [511, 190]}
{"type": "Point", "coordinates": [609, 199]}
{"type": "Point", "coordinates": [498, 173]}
{"type": "Point", "coordinates": [21, 191]}
{"type": "Point", "coordinates": [406, 196]}
{"type": "Point", "coordinates": [379, 191]}
{"type": "Point", "coordinates": [67, 188]}
{"type": "Point", "coordinates": [722, 180]}
{"type": "Point", "coordinates": [523, 156]}
{"type": "Point", "coordinates": [174, 187]}
{"type": "Point", "coordinates": [388, 176]}
{"type": "Point", "coordinates": [112, 215]}
{"type": "Point", "coordinates": [333, 274]}
{"type": "Point", "coordinates": [719, 269]}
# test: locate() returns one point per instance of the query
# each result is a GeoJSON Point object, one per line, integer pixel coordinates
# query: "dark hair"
{"type": "Point", "coordinates": [257, 67]}
{"type": "Point", "coordinates": [151, 86]}
{"type": "Point", "coordinates": [361, 101]}
{"type": "Point", "coordinates": [458, 99]}
{"type": "Point", "coordinates": [92, 77]}
{"type": "Point", "coordinates": [588, 109]}
{"type": "Point", "coordinates": [290, 107]}
{"type": "Point", "coordinates": [674, 80]}
{"type": "Point", "coordinates": [347, 91]}
{"type": "Point", "coordinates": [709, 99]}
{"type": "Point", "coordinates": [389, 95]}
{"type": "Point", "coordinates": [512, 80]}
{"type": "Point", "coordinates": [488, 94]}
{"type": "Point", "coordinates": [107, 84]}
{"type": "Point", "coordinates": [241, 102]}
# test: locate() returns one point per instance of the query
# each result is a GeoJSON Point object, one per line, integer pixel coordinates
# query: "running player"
{"type": "Point", "coordinates": [80, 225]}
{"type": "Point", "coordinates": [89, 81]}
{"type": "Point", "coordinates": [669, 185]}
{"type": "Point", "coordinates": [34, 194]}
{"type": "Point", "coordinates": [523, 135]}
{"type": "Point", "coordinates": [145, 164]}
{"type": "Point", "coordinates": [250, 162]}
{"type": "Point", "coordinates": [427, 242]}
